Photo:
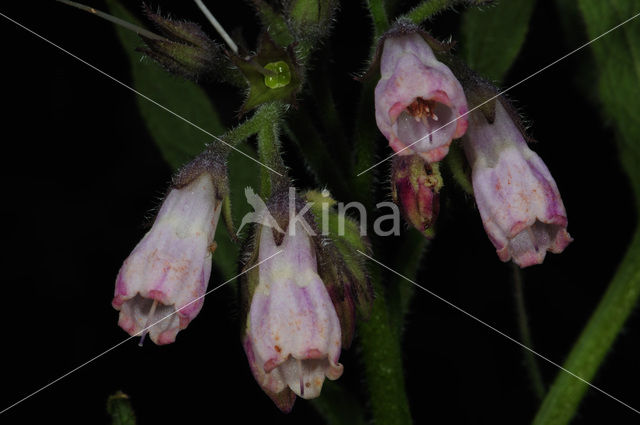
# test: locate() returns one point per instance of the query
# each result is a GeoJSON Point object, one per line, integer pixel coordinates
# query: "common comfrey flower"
{"type": "Point", "coordinates": [162, 282]}
{"type": "Point", "coordinates": [415, 187]}
{"type": "Point", "coordinates": [293, 335]}
{"type": "Point", "coordinates": [417, 98]}
{"type": "Point", "coordinates": [519, 202]}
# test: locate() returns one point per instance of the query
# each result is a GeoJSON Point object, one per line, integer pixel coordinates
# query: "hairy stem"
{"type": "Point", "coordinates": [379, 16]}
{"type": "Point", "coordinates": [428, 8]}
{"type": "Point", "coordinates": [268, 117]}
{"type": "Point", "coordinates": [383, 364]}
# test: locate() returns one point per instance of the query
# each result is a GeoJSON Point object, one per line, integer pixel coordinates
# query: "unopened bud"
{"type": "Point", "coordinates": [415, 187]}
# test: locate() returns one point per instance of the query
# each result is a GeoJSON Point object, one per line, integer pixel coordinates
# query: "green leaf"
{"type": "Point", "coordinates": [617, 58]}
{"type": "Point", "coordinates": [491, 38]}
{"type": "Point", "coordinates": [178, 141]}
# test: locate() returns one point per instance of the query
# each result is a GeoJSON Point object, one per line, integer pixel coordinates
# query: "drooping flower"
{"type": "Point", "coordinates": [518, 200]}
{"type": "Point", "coordinates": [168, 271]}
{"type": "Point", "coordinates": [420, 105]}
{"type": "Point", "coordinates": [415, 187]}
{"type": "Point", "coordinates": [292, 337]}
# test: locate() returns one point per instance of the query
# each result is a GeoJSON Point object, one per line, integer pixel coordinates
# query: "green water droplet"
{"type": "Point", "coordinates": [282, 77]}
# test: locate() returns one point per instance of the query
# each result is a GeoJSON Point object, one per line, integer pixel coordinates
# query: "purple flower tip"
{"type": "Point", "coordinates": [418, 98]}
{"type": "Point", "coordinates": [518, 200]}
{"type": "Point", "coordinates": [168, 271]}
{"type": "Point", "coordinates": [293, 335]}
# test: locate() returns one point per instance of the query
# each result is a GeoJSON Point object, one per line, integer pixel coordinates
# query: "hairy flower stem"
{"type": "Point", "coordinates": [268, 120]}
{"type": "Point", "coordinates": [378, 16]}
{"type": "Point", "coordinates": [383, 363]}
{"type": "Point", "coordinates": [530, 360]}
{"type": "Point", "coordinates": [594, 343]}
{"type": "Point", "coordinates": [428, 8]}
{"type": "Point", "coordinates": [250, 126]}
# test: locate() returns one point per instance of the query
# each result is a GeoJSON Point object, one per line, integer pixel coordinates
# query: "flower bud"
{"type": "Point", "coordinates": [292, 335]}
{"type": "Point", "coordinates": [168, 271]}
{"type": "Point", "coordinates": [518, 200]}
{"type": "Point", "coordinates": [415, 187]}
{"type": "Point", "coordinates": [417, 98]}
{"type": "Point", "coordinates": [186, 51]}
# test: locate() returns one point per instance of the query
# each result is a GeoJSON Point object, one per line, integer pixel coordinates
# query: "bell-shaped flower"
{"type": "Point", "coordinates": [518, 200]}
{"type": "Point", "coordinates": [420, 105]}
{"type": "Point", "coordinates": [415, 187]}
{"type": "Point", "coordinates": [293, 336]}
{"type": "Point", "coordinates": [168, 271]}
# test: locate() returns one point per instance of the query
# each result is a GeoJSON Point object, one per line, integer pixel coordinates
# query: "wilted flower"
{"type": "Point", "coordinates": [519, 202]}
{"type": "Point", "coordinates": [170, 267]}
{"type": "Point", "coordinates": [415, 187]}
{"type": "Point", "coordinates": [416, 97]}
{"type": "Point", "coordinates": [292, 337]}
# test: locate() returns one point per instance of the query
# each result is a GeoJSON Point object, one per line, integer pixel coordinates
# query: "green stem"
{"type": "Point", "coordinates": [382, 358]}
{"type": "Point", "coordinates": [248, 127]}
{"type": "Point", "coordinates": [268, 116]}
{"type": "Point", "coordinates": [530, 360]}
{"type": "Point", "coordinates": [594, 343]}
{"type": "Point", "coordinates": [379, 16]}
{"type": "Point", "coordinates": [428, 8]}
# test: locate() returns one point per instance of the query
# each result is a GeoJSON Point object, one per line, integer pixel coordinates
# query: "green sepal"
{"type": "Point", "coordinates": [340, 266]}
{"type": "Point", "coordinates": [186, 51]}
{"type": "Point", "coordinates": [249, 276]}
{"type": "Point", "coordinates": [274, 23]}
{"type": "Point", "coordinates": [252, 67]}
{"type": "Point", "coordinates": [311, 17]}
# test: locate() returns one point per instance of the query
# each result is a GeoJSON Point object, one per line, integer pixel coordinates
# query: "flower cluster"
{"type": "Point", "coordinates": [301, 292]}
{"type": "Point", "coordinates": [420, 108]}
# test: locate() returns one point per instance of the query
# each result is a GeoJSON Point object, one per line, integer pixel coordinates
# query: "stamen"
{"type": "Point", "coordinates": [301, 379]}
{"type": "Point", "coordinates": [152, 312]}
{"type": "Point", "coordinates": [217, 26]}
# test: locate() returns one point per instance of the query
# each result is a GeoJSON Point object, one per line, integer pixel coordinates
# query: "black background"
{"type": "Point", "coordinates": [80, 174]}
